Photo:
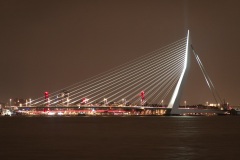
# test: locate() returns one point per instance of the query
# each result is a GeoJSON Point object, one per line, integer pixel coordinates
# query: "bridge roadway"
{"type": "Point", "coordinates": [114, 110]}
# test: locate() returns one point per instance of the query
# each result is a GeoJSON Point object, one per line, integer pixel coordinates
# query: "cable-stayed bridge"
{"type": "Point", "coordinates": [150, 81]}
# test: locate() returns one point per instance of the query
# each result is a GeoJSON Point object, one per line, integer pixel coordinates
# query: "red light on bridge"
{"type": "Point", "coordinates": [46, 95]}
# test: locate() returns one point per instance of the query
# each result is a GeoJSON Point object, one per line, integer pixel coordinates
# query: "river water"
{"type": "Point", "coordinates": [112, 138]}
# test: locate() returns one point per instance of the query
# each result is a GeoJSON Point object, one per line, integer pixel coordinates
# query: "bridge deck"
{"type": "Point", "coordinates": [112, 110]}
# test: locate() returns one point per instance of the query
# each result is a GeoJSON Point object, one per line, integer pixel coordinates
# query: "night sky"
{"type": "Point", "coordinates": [48, 45]}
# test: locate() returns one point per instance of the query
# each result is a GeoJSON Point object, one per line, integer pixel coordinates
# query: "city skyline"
{"type": "Point", "coordinates": [47, 46]}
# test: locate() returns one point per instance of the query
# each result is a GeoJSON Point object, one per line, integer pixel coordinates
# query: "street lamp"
{"type": "Point", "coordinates": [185, 102]}
{"type": "Point", "coordinates": [105, 101]}
{"type": "Point", "coordinates": [30, 100]}
{"type": "Point", "coordinates": [124, 101]}
{"type": "Point", "coordinates": [57, 99]}
{"type": "Point", "coordinates": [162, 102]}
{"type": "Point", "coordinates": [10, 101]}
{"type": "Point", "coordinates": [68, 101]}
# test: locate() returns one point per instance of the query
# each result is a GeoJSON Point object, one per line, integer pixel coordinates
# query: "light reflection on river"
{"type": "Point", "coordinates": [60, 138]}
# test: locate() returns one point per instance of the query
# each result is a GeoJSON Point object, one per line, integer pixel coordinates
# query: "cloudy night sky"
{"type": "Point", "coordinates": [47, 45]}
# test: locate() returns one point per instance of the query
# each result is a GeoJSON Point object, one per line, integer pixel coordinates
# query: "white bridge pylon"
{"type": "Point", "coordinates": [156, 74]}
{"type": "Point", "coordinates": [176, 96]}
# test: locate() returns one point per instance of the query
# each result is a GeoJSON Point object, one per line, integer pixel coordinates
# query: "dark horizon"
{"type": "Point", "coordinates": [48, 45]}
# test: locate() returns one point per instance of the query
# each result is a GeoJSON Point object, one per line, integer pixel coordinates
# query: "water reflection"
{"type": "Point", "coordinates": [177, 138]}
